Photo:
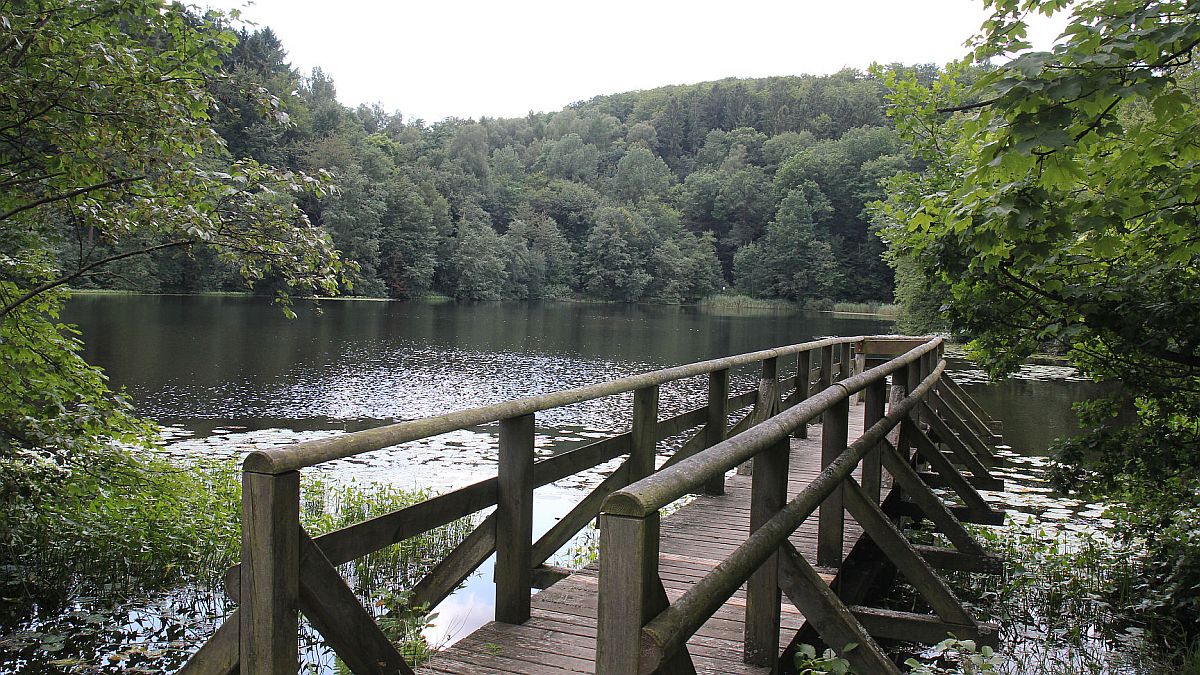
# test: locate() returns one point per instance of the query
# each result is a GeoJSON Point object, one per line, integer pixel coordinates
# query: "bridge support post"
{"type": "Point", "coordinates": [803, 386]}
{"type": "Point", "coordinates": [872, 467]}
{"type": "Point", "coordinates": [514, 519]}
{"type": "Point", "coordinates": [628, 591]}
{"type": "Point", "coordinates": [768, 494]}
{"type": "Point", "coordinates": [270, 579]}
{"type": "Point", "coordinates": [716, 427]}
{"type": "Point", "coordinates": [831, 518]}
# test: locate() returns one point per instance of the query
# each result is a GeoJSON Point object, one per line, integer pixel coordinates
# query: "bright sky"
{"type": "Point", "coordinates": [472, 58]}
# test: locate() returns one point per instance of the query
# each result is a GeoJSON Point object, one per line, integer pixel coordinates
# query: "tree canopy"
{"type": "Point", "coordinates": [107, 155]}
{"type": "Point", "coordinates": [1060, 209]}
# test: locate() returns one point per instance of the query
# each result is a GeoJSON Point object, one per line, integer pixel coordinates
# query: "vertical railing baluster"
{"type": "Point", "coordinates": [270, 577]}
{"type": "Point", "coordinates": [514, 519]}
{"type": "Point", "coordinates": [767, 404]}
{"type": "Point", "coordinates": [832, 517]}
{"type": "Point", "coordinates": [872, 465]}
{"type": "Point", "coordinates": [826, 377]}
{"type": "Point", "coordinates": [716, 427]}
{"type": "Point", "coordinates": [644, 432]}
{"type": "Point", "coordinates": [628, 587]}
{"type": "Point", "coordinates": [803, 386]}
{"type": "Point", "coordinates": [629, 556]}
{"type": "Point", "coordinates": [768, 494]}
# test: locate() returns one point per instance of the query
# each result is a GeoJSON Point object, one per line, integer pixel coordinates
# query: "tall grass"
{"type": "Point", "coordinates": [729, 301]}
{"type": "Point", "coordinates": [873, 308]}
{"type": "Point", "coordinates": [123, 561]}
{"type": "Point", "coordinates": [1066, 604]}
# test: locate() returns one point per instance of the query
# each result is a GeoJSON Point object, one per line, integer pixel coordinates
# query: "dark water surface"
{"type": "Point", "coordinates": [225, 375]}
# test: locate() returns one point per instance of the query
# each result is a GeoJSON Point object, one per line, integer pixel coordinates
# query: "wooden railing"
{"type": "Point", "coordinates": [640, 632]}
{"type": "Point", "coordinates": [284, 571]}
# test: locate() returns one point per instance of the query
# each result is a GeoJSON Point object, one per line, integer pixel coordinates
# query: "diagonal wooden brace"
{"type": "Point", "coordinates": [934, 509]}
{"type": "Point", "coordinates": [346, 625]}
{"type": "Point", "coordinates": [831, 618]}
{"type": "Point", "coordinates": [219, 655]}
{"type": "Point", "coordinates": [963, 430]}
{"type": "Point", "coordinates": [964, 454]}
{"type": "Point", "coordinates": [458, 565]}
{"type": "Point", "coordinates": [907, 560]}
{"type": "Point", "coordinates": [970, 496]}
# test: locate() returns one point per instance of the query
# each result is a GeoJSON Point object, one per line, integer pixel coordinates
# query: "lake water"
{"type": "Point", "coordinates": [228, 374]}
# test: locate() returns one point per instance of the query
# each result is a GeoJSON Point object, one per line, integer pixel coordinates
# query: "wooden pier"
{"type": "Point", "coordinates": [560, 635]}
{"type": "Point", "coordinates": [832, 461]}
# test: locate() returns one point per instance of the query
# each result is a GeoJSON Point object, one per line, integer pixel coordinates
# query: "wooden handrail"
{"type": "Point", "coordinates": [654, 492]}
{"type": "Point", "coordinates": [669, 630]}
{"type": "Point", "coordinates": [283, 563]}
{"type": "Point", "coordinates": [310, 453]}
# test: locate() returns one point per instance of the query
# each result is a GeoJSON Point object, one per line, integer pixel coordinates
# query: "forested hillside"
{"type": "Point", "coordinates": [664, 195]}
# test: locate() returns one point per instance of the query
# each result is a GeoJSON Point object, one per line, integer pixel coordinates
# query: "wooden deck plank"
{"type": "Point", "coordinates": [560, 636]}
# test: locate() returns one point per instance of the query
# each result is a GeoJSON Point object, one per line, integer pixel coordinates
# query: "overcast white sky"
{"type": "Point", "coordinates": [472, 58]}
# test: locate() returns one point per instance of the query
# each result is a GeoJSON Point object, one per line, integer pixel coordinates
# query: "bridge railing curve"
{"type": "Point", "coordinates": [633, 606]}
{"type": "Point", "coordinates": [285, 571]}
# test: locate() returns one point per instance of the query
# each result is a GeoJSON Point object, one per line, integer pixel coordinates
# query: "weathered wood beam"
{"type": "Point", "coordinates": [965, 455]}
{"type": "Point", "coordinates": [887, 624]}
{"type": "Point", "coordinates": [937, 481]}
{"type": "Point", "coordinates": [974, 501]}
{"type": "Point", "coordinates": [950, 559]}
{"type": "Point", "coordinates": [718, 418]}
{"type": "Point", "coordinates": [928, 502]}
{"type": "Point", "coordinates": [579, 516]}
{"type": "Point", "coordinates": [219, 655]}
{"type": "Point", "coordinates": [333, 609]}
{"type": "Point", "coordinates": [544, 576]}
{"type": "Point", "coordinates": [832, 620]}
{"type": "Point", "coordinates": [270, 584]}
{"type": "Point", "coordinates": [514, 517]}
{"type": "Point", "coordinates": [768, 494]}
{"type": "Point", "coordinates": [831, 518]}
{"type": "Point", "coordinates": [965, 514]}
{"type": "Point", "coordinates": [441, 581]}
{"type": "Point", "coordinates": [902, 554]}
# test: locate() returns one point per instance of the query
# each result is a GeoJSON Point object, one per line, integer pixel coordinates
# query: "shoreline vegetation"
{"type": "Point", "coordinates": [720, 301]}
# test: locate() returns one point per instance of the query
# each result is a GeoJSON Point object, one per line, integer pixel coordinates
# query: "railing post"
{"type": "Point", "coordinates": [872, 465]}
{"type": "Point", "coordinates": [832, 517]}
{"type": "Point", "coordinates": [629, 555]}
{"type": "Point", "coordinates": [645, 433]}
{"type": "Point", "coordinates": [826, 378]}
{"type": "Point", "coordinates": [270, 577]}
{"type": "Point", "coordinates": [628, 587]}
{"type": "Point", "coordinates": [716, 427]}
{"type": "Point", "coordinates": [803, 386]}
{"type": "Point", "coordinates": [514, 519]}
{"type": "Point", "coordinates": [768, 494]}
{"type": "Point", "coordinates": [767, 405]}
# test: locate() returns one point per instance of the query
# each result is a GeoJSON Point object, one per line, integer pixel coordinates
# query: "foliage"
{"type": "Point", "coordinates": [127, 524]}
{"type": "Point", "coordinates": [708, 153]}
{"type": "Point", "coordinates": [808, 663]}
{"type": "Point", "coordinates": [965, 656]}
{"type": "Point", "coordinates": [108, 154]}
{"type": "Point", "coordinates": [1058, 210]}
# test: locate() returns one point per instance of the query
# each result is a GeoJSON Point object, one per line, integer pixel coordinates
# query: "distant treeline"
{"type": "Point", "coordinates": [664, 195]}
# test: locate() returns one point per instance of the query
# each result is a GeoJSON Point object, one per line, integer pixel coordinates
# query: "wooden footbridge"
{"type": "Point", "coordinates": [731, 582]}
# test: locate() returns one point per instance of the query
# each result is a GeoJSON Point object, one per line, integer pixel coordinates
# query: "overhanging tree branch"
{"type": "Point", "coordinates": [42, 288]}
{"type": "Point", "coordinates": [68, 194]}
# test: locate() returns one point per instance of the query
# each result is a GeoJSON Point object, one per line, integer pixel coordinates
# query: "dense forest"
{"type": "Point", "coordinates": [664, 195]}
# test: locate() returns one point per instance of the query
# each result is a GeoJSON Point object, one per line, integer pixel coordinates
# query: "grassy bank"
{"type": "Point", "coordinates": [871, 308]}
{"type": "Point", "coordinates": [87, 553]}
